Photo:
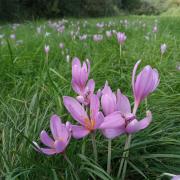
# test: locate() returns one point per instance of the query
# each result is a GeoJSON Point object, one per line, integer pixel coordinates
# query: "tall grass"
{"type": "Point", "coordinates": [30, 94]}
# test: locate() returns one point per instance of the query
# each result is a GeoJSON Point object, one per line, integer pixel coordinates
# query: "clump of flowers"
{"type": "Point", "coordinates": [105, 111]}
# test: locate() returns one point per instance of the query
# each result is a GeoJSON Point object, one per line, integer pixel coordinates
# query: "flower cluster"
{"type": "Point", "coordinates": [107, 111]}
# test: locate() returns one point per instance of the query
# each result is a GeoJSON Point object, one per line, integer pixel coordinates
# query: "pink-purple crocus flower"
{"type": "Point", "coordinates": [61, 136]}
{"type": "Point", "coordinates": [97, 37]}
{"type": "Point", "coordinates": [163, 48]}
{"type": "Point", "coordinates": [80, 83]}
{"type": "Point", "coordinates": [121, 37]}
{"type": "Point", "coordinates": [145, 83]}
{"type": "Point", "coordinates": [119, 104]}
{"type": "Point", "coordinates": [177, 177]}
{"type": "Point", "coordinates": [88, 123]}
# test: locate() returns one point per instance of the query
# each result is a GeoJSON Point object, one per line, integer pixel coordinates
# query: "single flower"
{"type": "Point", "coordinates": [145, 83]}
{"type": "Point", "coordinates": [61, 136]}
{"type": "Point", "coordinates": [88, 122]}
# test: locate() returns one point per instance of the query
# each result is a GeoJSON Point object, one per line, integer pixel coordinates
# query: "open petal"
{"type": "Point", "coordinates": [113, 120]}
{"type": "Point", "coordinates": [123, 104]}
{"type": "Point", "coordinates": [134, 74]}
{"type": "Point", "coordinates": [144, 123]}
{"type": "Point", "coordinates": [90, 86]}
{"type": "Point", "coordinates": [94, 106]}
{"type": "Point", "coordinates": [56, 126]}
{"type": "Point", "coordinates": [108, 103]}
{"type": "Point", "coordinates": [45, 139]}
{"type": "Point", "coordinates": [75, 109]}
{"type": "Point", "coordinates": [59, 146]}
{"type": "Point", "coordinates": [48, 151]}
{"type": "Point", "coordinates": [79, 131]}
{"type": "Point", "coordinates": [112, 133]}
{"type": "Point", "coordinates": [99, 120]}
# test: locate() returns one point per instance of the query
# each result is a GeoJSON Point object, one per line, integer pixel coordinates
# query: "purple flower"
{"type": "Point", "coordinates": [61, 45]}
{"type": "Point", "coordinates": [177, 177]}
{"type": "Point", "coordinates": [80, 83]}
{"type": "Point", "coordinates": [13, 36]}
{"type": "Point", "coordinates": [98, 37]}
{"type": "Point", "coordinates": [121, 37]}
{"type": "Point", "coordinates": [145, 83]}
{"type": "Point", "coordinates": [163, 48]}
{"type": "Point", "coordinates": [61, 136]}
{"type": "Point", "coordinates": [83, 37]}
{"type": "Point", "coordinates": [118, 107]}
{"type": "Point", "coordinates": [109, 102]}
{"type": "Point", "coordinates": [46, 49]}
{"type": "Point", "coordinates": [155, 29]}
{"type": "Point", "coordinates": [88, 123]}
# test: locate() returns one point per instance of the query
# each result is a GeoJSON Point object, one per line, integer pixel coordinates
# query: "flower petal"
{"type": "Point", "coordinates": [45, 139]}
{"type": "Point", "coordinates": [99, 120]}
{"type": "Point", "coordinates": [59, 146]}
{"type": "Point", "coordinates": [48, 151]}
{"type": "Point", "coordinates": [123, 104]}
{"type": "Point", "coordinates": [56, 126]}
{"type": "Point", "coordinates": [75, 109]}
{"type": "Point", "coordinates": [113, 120]}
{"type": "Point", "coordinates": [112, 133]}
{"type": "Point", "coordinates": [94, 106]}
{"type": "Point", "coordinates": [79, 131]}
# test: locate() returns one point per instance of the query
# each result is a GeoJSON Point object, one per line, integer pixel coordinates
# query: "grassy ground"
{"type": "Point", "coordinates": [31, 92]}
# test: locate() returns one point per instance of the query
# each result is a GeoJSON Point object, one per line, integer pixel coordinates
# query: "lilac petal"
{"type": "Point", "coordinates": [123, 104]}
{"type": "Point", "coordinates": [90, 86]}
{"type": "Point", "coordinates": [76, 61]}
{"type": "Point", "coordinates": [79, 131]}
{"type": "Point", "coordinates": [134, 74]}
{"type": "Point", "coordinates": [94, 106]}
{"type": "Point", "coordinates": [144, 123]}
{"type": "Point", "coordinates": [76, 87]}
{"type": "Point", "coordinates": [45, 139]}
{"type": "Point", "coordinates": [75, 109]}
{"type": "Point", "coordinates": [135, 125]}
{"type": "Point", "coordinates": [56, 126]}
{"type": "Point", "coordinates": [177, 177]}
{"type": "Point", "coordinates": [99, 120]}
{"type": "Point", "coordinates": [112, 133]}
{"type": "Point", "coordinates": [48, 151]}
{"type": "Point", "coordinates": [59, 146]}
{"type": "Point", "coordinates": [108, 104]}
{"type": "Point", "coordinates": [106, 89]}
{"type": "Point", "coordinates": [156, 80]}
{"type": "Point", "coordinates": [113, 120]}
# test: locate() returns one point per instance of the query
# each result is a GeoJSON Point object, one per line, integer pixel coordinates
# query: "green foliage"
{"type": "Point", "coordinates": [30, 94]}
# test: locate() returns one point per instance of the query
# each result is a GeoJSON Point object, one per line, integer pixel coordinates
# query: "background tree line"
{"type": "Point", "coordinates": [32, 9]}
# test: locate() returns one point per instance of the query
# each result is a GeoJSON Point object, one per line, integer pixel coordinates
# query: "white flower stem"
{"type": "Point", "coordinates": [109, 157]}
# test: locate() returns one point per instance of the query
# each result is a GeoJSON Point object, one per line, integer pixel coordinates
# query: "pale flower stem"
{"type": "Point", "coordinates": [94, 147]}
{"type": "Point", "coordinates": [123, 163]}
{"type": "Point", "coordinates": [109, 157]}
{"type": "Point", "coordinates": [126, 156]}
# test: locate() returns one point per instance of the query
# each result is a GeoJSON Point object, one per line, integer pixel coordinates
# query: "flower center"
{"type": "Point", "coordinates": [89, 124]}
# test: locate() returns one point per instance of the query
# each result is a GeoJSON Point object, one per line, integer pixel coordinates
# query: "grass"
{"type": "Point", "coordinates": [31, 92]}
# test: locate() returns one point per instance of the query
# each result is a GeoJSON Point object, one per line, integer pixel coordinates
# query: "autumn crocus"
{"type": "Point", "coordinates": [177, 177]}
{"type": "Point", "coordinates": [97, 37]}
{"type": "Point", "coordinates": [46, 49]}
{"type": "Point", "coordinates": [88, 122]}
{"type": "Point", "coordinates": [163, 48]}
{"type": "Point", "coordinates": [80, 83]}
{"type": "Point", "coordinates": [121, 37]}
{"type": "Point", "coordinates": [144, 84]}
{"type": "Point", "coordinates": [61, 136]}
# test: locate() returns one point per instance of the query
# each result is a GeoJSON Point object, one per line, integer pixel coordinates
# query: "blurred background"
{"type": "Point", "coordinates": [14, 10]}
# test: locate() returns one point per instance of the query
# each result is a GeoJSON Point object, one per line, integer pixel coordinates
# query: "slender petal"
{"type": "Point", "coordinates": [112, 133]}
{"type": "Point", "coordinates": [79, 131]}
{"type": "Point", "coordinates": [59, 146]}
{"type": "Point", "coordinates": [123, 104]}
{"type": "Point", "coordinates": [45, 139]}
{"type": "Point", "coordinates": [113, 120]}
{"type": "Point", "coordinates": [55, 125]}
{"type": "Point", "coordinates": [76, 110]}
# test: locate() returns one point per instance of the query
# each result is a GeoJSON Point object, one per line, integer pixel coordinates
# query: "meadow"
{"type": "Point", "coordinates": [33, 82]}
